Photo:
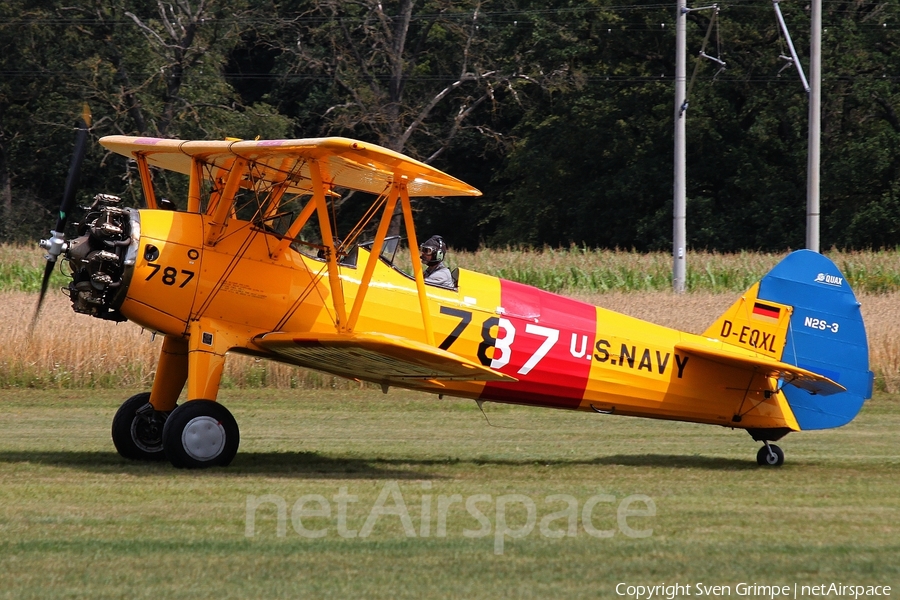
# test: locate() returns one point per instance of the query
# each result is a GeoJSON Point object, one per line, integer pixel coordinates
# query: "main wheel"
{"type": "Point", "coordinates": [200, 434]}
{"type": "Point", "coordinates": [137, 429]}
{"type": "Point", "coordinates": [770, 456]}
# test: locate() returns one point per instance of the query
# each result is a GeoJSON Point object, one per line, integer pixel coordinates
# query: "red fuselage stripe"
{"type": "Point", "coordinates": [561, 374]}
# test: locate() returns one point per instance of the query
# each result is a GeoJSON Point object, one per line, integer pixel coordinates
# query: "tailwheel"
{"type": "Point", "coordinates": [770, 455]}
{"type": "Point", "coordinates": [200, 434]}
{"type": "Point", "coordinates": [137, 429]}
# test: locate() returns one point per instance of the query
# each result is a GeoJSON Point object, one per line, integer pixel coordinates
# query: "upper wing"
{"type": "Point", "coordinates": [376, 357]}
{"type": "Point", "coordinates": [344, 162]}
{"type": "Point", "coordinates": [793, 375]}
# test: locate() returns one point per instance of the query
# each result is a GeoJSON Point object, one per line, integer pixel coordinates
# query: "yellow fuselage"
{"type": "Point", "coordinates": [563, 353]}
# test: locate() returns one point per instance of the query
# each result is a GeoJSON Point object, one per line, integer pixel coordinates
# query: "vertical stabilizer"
{"type": "Point", "coordinates": [825, 335]}
{"type": "Point", "coordinates": [754, 324]}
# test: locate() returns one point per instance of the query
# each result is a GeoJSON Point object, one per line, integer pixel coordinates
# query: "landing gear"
{"type": "Point", "coordinates": [199, 434]}
{"type": "Point", "coordinates": [137, 429]}
{"type": "Point", "coordinates": [770, 455]}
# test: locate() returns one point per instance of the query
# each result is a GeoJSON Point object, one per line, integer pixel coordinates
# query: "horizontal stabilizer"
{"type": "Point", "coordinates": [375, 357]}
{"type": "Point", "coordinates": [801, 378]}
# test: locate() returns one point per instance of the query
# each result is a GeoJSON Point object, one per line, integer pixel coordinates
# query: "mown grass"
{"type": "Point", "coordinates": [76, 521]}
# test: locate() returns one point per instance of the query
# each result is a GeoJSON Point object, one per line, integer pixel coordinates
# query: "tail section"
{"type": "Point", "coordinates": [826, 335]}
{"type": "Point", "coordinates": [804, 313]}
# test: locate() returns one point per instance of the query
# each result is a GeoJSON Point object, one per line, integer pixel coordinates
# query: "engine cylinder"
{"type": "Point", "coordinates": [101, 258]}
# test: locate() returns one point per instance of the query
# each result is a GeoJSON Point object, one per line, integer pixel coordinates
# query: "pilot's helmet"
{"type": "Point", "coordinates": [432, 250]}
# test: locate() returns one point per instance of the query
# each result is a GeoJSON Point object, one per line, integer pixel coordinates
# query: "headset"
{"type": "Point", "coordinates": [436, 244]}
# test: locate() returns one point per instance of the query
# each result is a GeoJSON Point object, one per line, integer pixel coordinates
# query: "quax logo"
{"type": "Point", "coordinates": [830, 279]}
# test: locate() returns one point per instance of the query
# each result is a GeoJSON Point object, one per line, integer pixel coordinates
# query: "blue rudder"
{"type": "Point", "coordinates": [826, 335]}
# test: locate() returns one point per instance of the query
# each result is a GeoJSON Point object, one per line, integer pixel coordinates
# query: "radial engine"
{"type": "Point", "coordinates": [101, 257]}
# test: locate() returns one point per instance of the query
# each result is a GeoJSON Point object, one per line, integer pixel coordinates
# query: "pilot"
{"type": "Point", "coordinates": [432, 255]}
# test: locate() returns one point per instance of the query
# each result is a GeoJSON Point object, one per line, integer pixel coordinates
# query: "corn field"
{"type": "Point", "coordinates": [67, 350]}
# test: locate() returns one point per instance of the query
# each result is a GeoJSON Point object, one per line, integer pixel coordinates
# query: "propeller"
{"type": "Point", "coordinates": [56, 245]}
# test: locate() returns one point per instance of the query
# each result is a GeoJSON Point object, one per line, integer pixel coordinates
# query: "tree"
{"type": "Point", "coordinates": [592, 162]}
{"type": "Point", "coordinates": [861, 126]}
{"type": "Point", "coordinates": [145, 68]}
{"type": "Point", "coordinates": [560, 111]}
{"type": "Point", "coordinates": [746, 141]}
{"type": "Point", "coordinates": [397, 70]}
{"type": "Point", "coordinates": [416, 77]}
{"type": "Point", "coordinates": [36, 61]}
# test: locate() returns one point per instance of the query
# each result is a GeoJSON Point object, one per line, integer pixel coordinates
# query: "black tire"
{"type": "Point", "coordinates": [137, 429]}
{"type": "Point", "coordinates": [200, 434]}
{"type": "Point", "coordinates": [765, 458]}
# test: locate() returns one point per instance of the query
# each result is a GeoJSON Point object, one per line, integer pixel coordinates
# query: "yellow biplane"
{"type": "Point", "coordinates": [255, 265]}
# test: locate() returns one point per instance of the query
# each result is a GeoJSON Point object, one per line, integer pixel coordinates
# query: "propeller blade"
{"type": "Point", "coordinates": [56, 245]}
{"type": "Point", "coordinates": [48, 270]}
{"type": "Point", "coordinates": [81, 139]}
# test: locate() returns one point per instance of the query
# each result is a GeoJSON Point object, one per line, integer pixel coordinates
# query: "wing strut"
{"type": "Point", "coordinates": [146, 181]}
{"type": "Point", "coordinates": [295, 228]}
{"type": "Point", "coordinates": [226, 201]}
{"type": "Point", "coordinates": [375, 253]}
{"type": "Point", "coordinates": [277, 193]}
{"type": "Point", "coordinates": [194, 185]}
{"type": "Point", "coordinates": [398, 190]}
{"type": "Point", "coordinates": [334, 277]}
{"type": "Point", "coordinates": [417, 266]}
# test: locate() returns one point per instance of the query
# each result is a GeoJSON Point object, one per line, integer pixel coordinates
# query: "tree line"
{"type": "Point", "coordinates": [560, 111]}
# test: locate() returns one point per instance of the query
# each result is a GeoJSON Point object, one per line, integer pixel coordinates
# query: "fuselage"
{"type": "Point", "coordinates": [563, 353]}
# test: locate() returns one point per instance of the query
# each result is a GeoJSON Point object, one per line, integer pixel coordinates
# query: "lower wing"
{"type": "Point", "coordinates": [376, 357]}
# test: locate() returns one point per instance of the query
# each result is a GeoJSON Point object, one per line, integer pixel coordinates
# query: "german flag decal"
{"type": "Point", "coordinates": [765, 311]}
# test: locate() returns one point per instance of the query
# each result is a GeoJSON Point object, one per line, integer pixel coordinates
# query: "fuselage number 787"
{"type": "Point", "coordinates": [502, 342]}
{"type": "Point", "coordinates": [169, 275]}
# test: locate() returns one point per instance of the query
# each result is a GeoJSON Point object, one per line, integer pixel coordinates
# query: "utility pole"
{"type": "Point", "coordinates": [679, 194]}
{"type": "Point", "coordinates": [679, 236]}
{"type": "Point", "coordinates": [813, 89]}
{"type": "Point", "coordinates": [815, 127]}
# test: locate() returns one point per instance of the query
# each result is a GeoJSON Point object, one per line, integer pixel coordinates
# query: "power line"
{"type": "Point", "coordinates": [459, 15]}
{"type": "Point", "coordinates": [597, 78]}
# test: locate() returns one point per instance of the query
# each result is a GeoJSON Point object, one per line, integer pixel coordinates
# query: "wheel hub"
{"type": "Point", "coordinates": [203, 438]}
{"type": "Point", "coordinates": [147, 434]}
{"type": "Point", "coordinates": [147, 429]}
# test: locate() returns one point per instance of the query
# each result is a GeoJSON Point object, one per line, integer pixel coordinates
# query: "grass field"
{"type": "Point", "coordinates": [76, 521]}
{"type": "Point", "coordinates": [666, 502]}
